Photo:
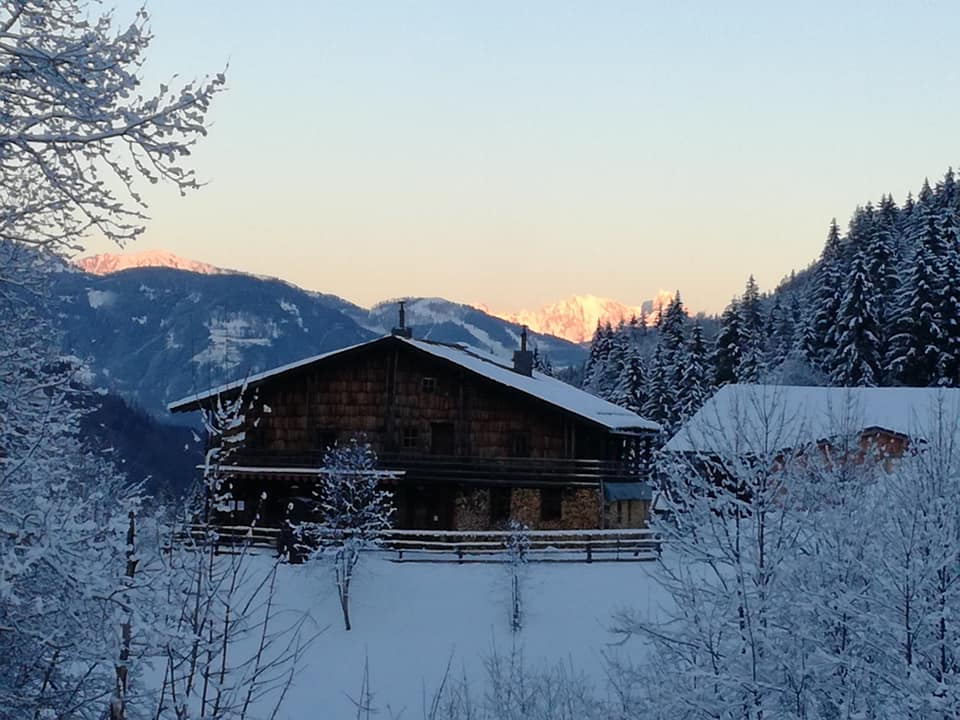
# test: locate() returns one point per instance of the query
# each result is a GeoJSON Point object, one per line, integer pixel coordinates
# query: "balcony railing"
{"type": "Point", "coordinates": [428, 468]}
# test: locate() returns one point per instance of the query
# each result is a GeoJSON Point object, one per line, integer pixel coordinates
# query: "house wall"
{"type": "Point", "coordinates": [383, 394]}
{"type": "Point", "coordinates": [404, 401]}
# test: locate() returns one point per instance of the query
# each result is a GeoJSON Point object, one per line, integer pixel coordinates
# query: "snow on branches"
{"type": "Point", "coordinates": [76, 123]}
{"type": "Point", "coordinates": [353, 509]}
{"type": "Point", "coordinates": [807, 582]}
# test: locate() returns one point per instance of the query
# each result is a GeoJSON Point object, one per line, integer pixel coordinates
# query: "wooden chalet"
{"type": "Point", "coordinates": [474, 440]}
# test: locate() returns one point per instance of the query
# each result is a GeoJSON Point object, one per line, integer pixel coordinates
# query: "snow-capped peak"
{"type": "Point", "coordinates": [107, 263]}
{"type": "Point", "coordinates": [576, 318]}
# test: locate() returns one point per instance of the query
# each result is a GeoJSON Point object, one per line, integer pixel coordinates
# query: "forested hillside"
{"type": "Point", "coordinates": [881, 306]}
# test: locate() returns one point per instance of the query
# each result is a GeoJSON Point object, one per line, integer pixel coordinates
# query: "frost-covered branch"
{"type": "Point", "coordinates": [76, 124]}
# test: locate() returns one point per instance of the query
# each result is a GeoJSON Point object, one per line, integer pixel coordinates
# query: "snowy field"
{"type": "Point", "coordinates": [410, 620]}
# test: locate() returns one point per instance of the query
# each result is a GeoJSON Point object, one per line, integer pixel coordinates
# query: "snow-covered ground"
{"type": "Point", "coordinates": [411, 619]}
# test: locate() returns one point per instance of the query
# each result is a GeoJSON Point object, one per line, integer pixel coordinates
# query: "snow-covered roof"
{"type": "Point", "coordinates": [614, 491]}
{"type": "Point", "coordinates": [766, 418]}
{"type": "Point", "coordinates": [542, 387]}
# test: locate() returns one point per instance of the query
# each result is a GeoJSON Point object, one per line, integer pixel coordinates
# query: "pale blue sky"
{"type": "Point", "coordinates": [514, 153]}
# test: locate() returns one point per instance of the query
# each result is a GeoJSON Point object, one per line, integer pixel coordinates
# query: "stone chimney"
{"type": "Point", "coordinates": [402, 330]}
{"type": "Point", "coordinates": [523, 358]}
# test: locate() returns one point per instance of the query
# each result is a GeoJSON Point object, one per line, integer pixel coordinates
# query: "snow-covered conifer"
{"type": "Point", "coordinates": [596, 369]}
{"type": "Point", "coordinates": [826, 297]}
{"type": "Point", "coordinates": [631, 385]}
{"type": "Point", "coordinates": [857, 358]}
{"type": "Point", "coordinates": [541, 362]}
{"type": "Point", "coordinates": [695, 378]}
{"type": "Point", "coordinates": [661, 400]}
{"type": "Point", "coordinates": [752, 337]}
{"type": "Point", "coordinates": [726, 350]}
{"type": "Point", "coordinates": [915, 355]}
{"type": "Point", "coordinates": [883, 266]}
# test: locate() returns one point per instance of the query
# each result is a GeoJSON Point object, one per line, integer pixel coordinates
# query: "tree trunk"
{"type": "Point", "coordinates": [118, 704]}
{"type": "Point", "coordinates": [345, 605]}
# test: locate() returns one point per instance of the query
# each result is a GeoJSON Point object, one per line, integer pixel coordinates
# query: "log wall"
{"type": "Point", "coordinates": [395, 396]}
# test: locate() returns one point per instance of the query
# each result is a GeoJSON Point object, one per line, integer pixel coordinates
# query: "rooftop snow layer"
{"type": "Point", "coordinates": [766, 418]}
{"type": "Point", "coordinates": [543, 387]}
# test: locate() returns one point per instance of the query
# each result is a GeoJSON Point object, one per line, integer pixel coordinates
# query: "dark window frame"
{"type": "Point", "coordinates": [501, 503]}
{"type": "Point", "coordinates": [410, 438]}
{"type": "Point", "coordinates": [551, 504]}
{"type": "Point", "coordinates": [519, 445]}
{"type": "Point", "coordinates": [428, 384]}
{"type": "Point", "coordinates": [327, 438]}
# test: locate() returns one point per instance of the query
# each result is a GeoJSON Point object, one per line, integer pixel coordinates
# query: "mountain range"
{"type": "Point", "coordinates": [577, 317]}
{"type": "Point", "coordinates": [573, 319]}
{"type": "Point", "coordinates": [154, 334]}
{"type": "Point", "coordinates": [107, 263]}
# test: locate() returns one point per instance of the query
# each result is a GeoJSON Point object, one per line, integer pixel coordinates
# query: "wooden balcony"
{"type": "Point", "coordinates": [426, 468]}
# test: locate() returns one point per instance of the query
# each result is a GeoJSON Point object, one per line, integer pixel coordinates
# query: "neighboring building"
{"type": "Point", "coordinates": [762, 420]}
{"type": "Point", "coordinates": [478, 441]}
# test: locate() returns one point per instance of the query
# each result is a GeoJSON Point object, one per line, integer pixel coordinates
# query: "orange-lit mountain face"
{"type": "Point", "coordinates": [576, 318]}
{"type": "Point", "coordinates": [573, 319]}
{"type": "Point", "coordinates": [113, 262]}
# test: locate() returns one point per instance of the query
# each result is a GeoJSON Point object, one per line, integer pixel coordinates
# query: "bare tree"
{"type": "Point", "coordinates": [518, 547]}
{"type": "Point", "coordinates": [77, 124]}
{"type": "Point", "coordinates": [353, 511]}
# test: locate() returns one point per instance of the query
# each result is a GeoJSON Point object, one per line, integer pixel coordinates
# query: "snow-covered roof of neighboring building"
{"type": "Point", "coordinates": [618, 491]}
{"type": "Point", "coordinates": [767, 418]}
{"type": "Point", "coordinates": [542, 387]}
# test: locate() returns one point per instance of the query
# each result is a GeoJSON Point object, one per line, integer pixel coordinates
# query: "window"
{"type": "Point", "coordinates": [551, 504]}
{"type": "Point", "coordinates": [327, 438]}
{"type": "Point", "coordinates": [499, 506]}
{"type": "Point", "coordinates": [410, 439]}
{"type": "Point", "coordinates": [442, 438]}
{"type": "Point", "coordinates": [520, 445]}
{"type": "Point", "coordinates": [428, 384]}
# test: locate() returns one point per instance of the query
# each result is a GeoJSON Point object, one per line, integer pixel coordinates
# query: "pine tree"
{"type": "Point", "coordinates": [541, 363]}
{"type": "Point", "coordinates": [857, 360]}
{"type": "Point", "coordinates": [916, 348]}
{"type": "Point", "coordinates": [619, 344]}
{"type": "Point", "coordinates": [695, 381]}
{"type": "Point", "coordinates": [778, 334]}
{"type": "Point", "coordinates": [882, 265]}
{"type": "Point", "coordinates": [596, 364]}
{"type": "Point", "coordinates": [660, 398]}
{"type": "Point", "coordinates": [750, 366]}
{"type": "Point", "coordinates": [726, 352]}
{"type": "Point", "coordinates": [949, 309]}
{"type": "Point", "coordinates": [631, 385]}
{"type": "Point", "coordinates": [673, 340]}
{"type": "Point", "coordinates": [825, 300]}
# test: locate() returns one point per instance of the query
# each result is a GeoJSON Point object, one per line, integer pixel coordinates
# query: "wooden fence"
{"type": "Point", "coordinates": [468, 546]}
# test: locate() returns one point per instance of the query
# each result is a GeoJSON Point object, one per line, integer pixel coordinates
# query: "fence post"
{"type": "Point", "coordinates": [460, 554]}
{"type": "Point", "coordinates": [589, 552]}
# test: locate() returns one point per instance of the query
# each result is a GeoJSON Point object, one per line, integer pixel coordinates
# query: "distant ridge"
{"type": "Point", "coordinates": [576, 318]}
{"type": "Point", "coordinates": [107, 263]}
